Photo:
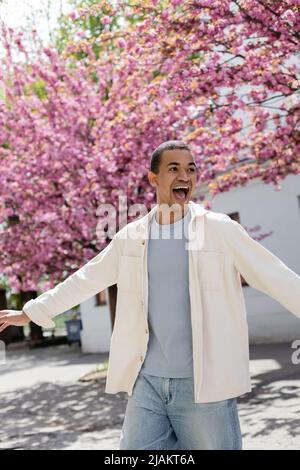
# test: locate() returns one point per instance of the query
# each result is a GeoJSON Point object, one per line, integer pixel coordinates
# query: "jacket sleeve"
{"type": "Point", "coordinates": [99, 273]}
{"type": "Point", "coordinates": [263, 270]}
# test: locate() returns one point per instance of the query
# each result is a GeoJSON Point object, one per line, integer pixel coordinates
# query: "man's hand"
{"type": "Point", "coordinates": [12, 317]}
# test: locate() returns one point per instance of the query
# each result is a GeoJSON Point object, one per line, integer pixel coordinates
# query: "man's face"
{"type": "Point", "coordinates": [176, 178]}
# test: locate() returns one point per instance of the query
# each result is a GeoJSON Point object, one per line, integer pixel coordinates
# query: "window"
{"type": "Point", "coordinates": [101, 298]}
{"type": "Point", "coordinates": [236, 216]}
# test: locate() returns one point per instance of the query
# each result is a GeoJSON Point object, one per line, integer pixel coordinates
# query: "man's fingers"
{"type": "Point", "coordinates": [4, 326]}
{"type": "Point", "coordinates": [3, 312]}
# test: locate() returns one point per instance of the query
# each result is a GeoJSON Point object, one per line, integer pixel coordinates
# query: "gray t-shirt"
{"type": "Point", "coordinates": [169, 352]}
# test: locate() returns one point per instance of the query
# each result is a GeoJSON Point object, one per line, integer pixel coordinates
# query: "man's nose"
{"type": "Point", "coordinates": [183, 175]}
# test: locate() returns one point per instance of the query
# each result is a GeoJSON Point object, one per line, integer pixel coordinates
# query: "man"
{"type": "Point", "coordinates": [180, 342]}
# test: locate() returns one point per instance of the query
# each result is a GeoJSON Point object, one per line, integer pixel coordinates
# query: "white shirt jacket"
{"type": "Point", "coordinates": [220, 250]}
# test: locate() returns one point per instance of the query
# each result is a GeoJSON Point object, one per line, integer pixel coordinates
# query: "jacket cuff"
{"type": "Point", "coordinates": [33, 311]}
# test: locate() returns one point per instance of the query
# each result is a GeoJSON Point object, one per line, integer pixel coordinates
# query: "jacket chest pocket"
{"type": "Point", "coordinates": [130, 274]}
{"type": "Point", "coordinates": [210, 269]}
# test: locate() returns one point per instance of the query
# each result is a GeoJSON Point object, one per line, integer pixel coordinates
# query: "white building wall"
{"type": "Point", "coordinates": [96, 326]}
{"type": "Point", "coordinates": [277, 211]}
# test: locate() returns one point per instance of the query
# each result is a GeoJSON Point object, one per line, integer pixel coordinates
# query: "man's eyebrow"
{"type": "Point", "coordinates": [177, 164]}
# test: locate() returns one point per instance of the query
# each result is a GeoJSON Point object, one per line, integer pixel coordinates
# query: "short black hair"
{"type": "Point", "coordinates": [167, 145]}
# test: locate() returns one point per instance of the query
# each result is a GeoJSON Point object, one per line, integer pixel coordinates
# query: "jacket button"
{"type": "Point", "coordinates": [142, 303]}
{"type": "Point", "coordinates": [141, 358]}
{"type": "Point", "coordinates": [143, 242]}
{"type": "Point", "coordinates": [146, 330]}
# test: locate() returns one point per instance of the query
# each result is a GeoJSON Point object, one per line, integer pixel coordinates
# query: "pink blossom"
{"type": "Point", "coordinates": [121, 42]}
{"type": "Point", "coordinates": [106, 20]}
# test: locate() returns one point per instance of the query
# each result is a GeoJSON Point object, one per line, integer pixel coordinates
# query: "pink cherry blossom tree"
{"type": "Point", "coordinates": [75, 131]}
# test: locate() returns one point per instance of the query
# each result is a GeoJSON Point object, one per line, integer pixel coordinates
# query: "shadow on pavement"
{"type": "Point", "coordinates": [56, 411]}
{"type": "Point", "coordinates": [271, 410]}
{"type": "Point", "coordinates": [53, 415]}
{"type": "Point", "coordinates": [58, 356]}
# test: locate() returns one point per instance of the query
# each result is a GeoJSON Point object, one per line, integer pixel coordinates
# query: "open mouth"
{"type": "Point", "coordinates": [181, 192]}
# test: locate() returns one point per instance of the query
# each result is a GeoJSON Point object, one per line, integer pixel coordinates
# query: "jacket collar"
{"type": "Point", "coordinates": [197, 211]}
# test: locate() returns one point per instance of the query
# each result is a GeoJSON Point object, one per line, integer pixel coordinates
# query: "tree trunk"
{"type": "Point", "coordinates": [36, 332]}
{"type": "Point", "coordinates": [13, 333]}
{"type": "Point", "coordinates": [112, 296]}
{"type": "Point", "coordinates": [6, 335]}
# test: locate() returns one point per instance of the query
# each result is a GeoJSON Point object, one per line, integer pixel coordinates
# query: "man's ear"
{"type": "Point", "coordinates": [152, 177]}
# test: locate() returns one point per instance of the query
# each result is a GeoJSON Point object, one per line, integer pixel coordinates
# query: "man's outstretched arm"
{"type": "Point", "coordinates": [95, 276]}
{"type": "Point", "coordinates": [262, 269]}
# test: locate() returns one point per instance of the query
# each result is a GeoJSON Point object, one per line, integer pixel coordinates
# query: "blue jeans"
{"type": "Point", "coordinates": [161, 414]}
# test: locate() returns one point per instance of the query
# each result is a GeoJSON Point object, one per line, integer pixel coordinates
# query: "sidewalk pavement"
{"type": "Point", "coordinates": [45, 406]}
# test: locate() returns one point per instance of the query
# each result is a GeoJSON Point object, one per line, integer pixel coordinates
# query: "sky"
{"type": "Point", "coordinates": [28, 14]}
